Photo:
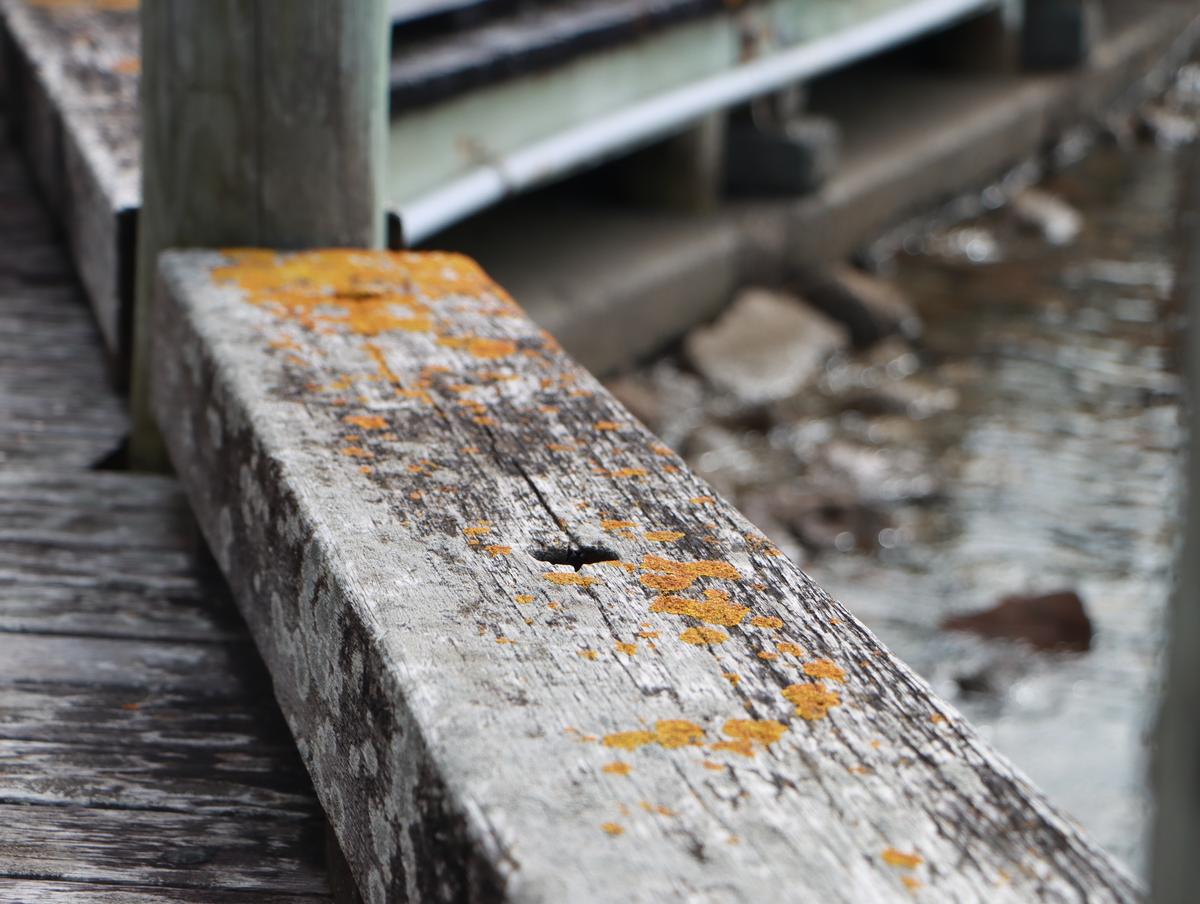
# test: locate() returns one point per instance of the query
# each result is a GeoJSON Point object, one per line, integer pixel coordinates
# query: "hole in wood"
{"type": "Point", "coordinates": [575, 556]}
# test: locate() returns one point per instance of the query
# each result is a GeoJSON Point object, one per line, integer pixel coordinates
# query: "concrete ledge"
{"type": "Point", "coordinates": [527, 655]}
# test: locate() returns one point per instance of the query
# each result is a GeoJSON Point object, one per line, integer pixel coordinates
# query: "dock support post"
{"type": "Point", "coordinates": [1175, 871]}
{"type": "Point", "coordinates": [263, 124]}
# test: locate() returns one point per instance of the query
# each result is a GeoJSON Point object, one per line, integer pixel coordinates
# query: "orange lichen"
{"type": "Point", "coordinates": [629, 740]}
{"type": "Point", "coordinates": [812, 701]}
{"type": "Point", "coordinates": [497, 550]}
{"type": "Point", "coordinates": [760, 731]}
{"type": "Point", "coordinates": [740, 746]}
{"type": "Point", "coordinates": [732, 677]}
{"type": "Point", "coordinates": [667, 582]}
{"type": "Point", "coordinates": [663, 536]}
{"type": "Point", "coordinates": [590, 655]}
{"type": "Point", "coordinates": [630, 472]}
{"type": "Point", "coordinates": [704, 568]}
{"type": "Point", "coordinates": [524, 598]}
{"type": "Point", "coordinates": [356, 452]}
{"type": "Point", "coordinates": [703, 500]}
{"type": "Point", "coordinates": [564, 578]}
{"type": "Point", "coordinates": [768, 655]}
{"type": "Point", "coordinates": [893, 857]}
{"type": "Point", "coordinates": [617, 563]}
{"type": "Point", "coordinates": [478, 529]}
{"type": "Point", "coordinates": [910, 883]}
{"type": "Point", "coordinates": [629, 649]}
{"type": "Point", "coordinates": [481, 347]}
{"type": "Point", "coordinates": [607, 425]}
{"type": "Point", "coordinates": [793, 649]}
{"type": "Point", "coordinates": [660, 449]}
{"type": "Point", "coordinates": [824, 668]}
{"type": "Point", "coordinates": [366, 421]}
{"type": "Point", "coordinates": [647, 635]}
{"type": "Point", "coordinates": [612, 828]}
{"type": "Point", "coordinates": [616, 767]}
{"type": "Point", "coordinates": [714, 767]}
{"type": "Point", "coordinates": [611, 524]}
{"type": "Point", "coordinates": [673, 733]}
{"type": "Point", "coordinates": [504, 640]}
{"type": "Point", "coordinates": [767, 621]}
{"type": "Point", "coordinates": [937, 718]}
{"type": "Point", "coordinates": [656, 808]}
{"type": "Point", "coordinates": [703, 636]}
{"type": "Point", "coordinates": [716, 608]}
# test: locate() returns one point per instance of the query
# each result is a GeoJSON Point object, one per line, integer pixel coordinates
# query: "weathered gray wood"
{"type": "Point", "coordinates": [42, 892]}
{"type": "Point", "coordinates": [159, 848]}
{"type": "Point", "coordinates": [263, 123]}
{"type": "Point", "coordinates": [381, 449]}
{"type": "Point", "coordinates": [74, 70]}
{"type": "Point", "coordinates": [1175, 869]}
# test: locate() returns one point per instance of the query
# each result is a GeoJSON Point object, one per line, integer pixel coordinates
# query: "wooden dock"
{"type": "Point", "coordinates": [142, 756]}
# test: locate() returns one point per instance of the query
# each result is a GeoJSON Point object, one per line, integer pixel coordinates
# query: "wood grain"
{"type": "Point", "coordinates": [384, 453]}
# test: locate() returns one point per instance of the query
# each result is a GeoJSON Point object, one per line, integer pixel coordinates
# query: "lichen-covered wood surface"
{"type": "Point", "coordinates": [525, 653]}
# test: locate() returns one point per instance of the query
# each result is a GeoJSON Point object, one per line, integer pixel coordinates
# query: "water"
{"type": "Point", "coordinates": [1028, 442]}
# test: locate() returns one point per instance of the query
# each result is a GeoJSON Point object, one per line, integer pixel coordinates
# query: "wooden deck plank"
{"type": "Point", "coordinates": [32, 891]}
{"type": "Point", "coordinates": [161, 848]}
{"type": "Point", "coordinates": [394, 467]}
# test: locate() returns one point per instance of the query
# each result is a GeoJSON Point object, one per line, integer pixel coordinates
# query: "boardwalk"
{"type": "Point", "coordinates": [142, 757]}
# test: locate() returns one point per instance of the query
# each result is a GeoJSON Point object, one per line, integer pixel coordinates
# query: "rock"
{"type": "Point", "coordinates": [1166, 128]}
{"type": "Point", "coordinates": [795, 158]}
{"type": "Point", "coordinates": [1053, 621]}
{"type": "Point", "coordinates": [1058, 222]}
{"type": "Point", "coordinates": [871, 308]}
{"type": "Point", "coordinates": [765, 347]}
{"type": "Point", "coordinates": [970, 244]}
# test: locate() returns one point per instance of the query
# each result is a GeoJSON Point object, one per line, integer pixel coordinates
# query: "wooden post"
{"type": "Point", "coordinates": [263, 123]}
{"type": "Point", "coordinates": [1176, 871]}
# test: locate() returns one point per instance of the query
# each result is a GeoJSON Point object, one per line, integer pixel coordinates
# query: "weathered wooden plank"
{"type": "Point", "coordinates": [26, 891]}
{"type": "Point", "coordinates": [105, 554]}
{"type": "Point", "coordinates": [206, 780]}
{"type": "Point", "coordinates": [74, 80]}
{"type": "Point", "coordinates": [129, 664]}
{"type": "Point", "coordinates": [390, 463]}
{"type": "Point", "coordinates": [161, 848]}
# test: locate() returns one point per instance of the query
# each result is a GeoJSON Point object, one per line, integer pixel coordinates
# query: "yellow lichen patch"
{"type": "Point", "coordinates": [767, 621]}
{"type": "Point", "coordinates": [893, 857]}
{"type": "Point", "coordinates": [524, 598]}
{"type": "Point", "coordinates": [366, 421]}
{"type": "Point", "coordinates": [478, 529]}
{"type": "Point", "coordinates": [612, 828]}
{"type": "Point", "coordinates": [630, 740]}
{"type": "Point", "coordinates": [656, 808]}
{"type": "Point", "coordinates": [666, 582]}
{"type": "Point", "coordinates": [812, 701]}
{"type": "Point", "coordinates": [663, 536]}
{"type": "Point", "coordinates": [716, 607]}
{"type": "Point", "coordinates": [673, 733]}
{"type": "Point", "coordinates": [629, 649]}
{"type": "Point", "coordinates": [560, 447]}
{"type": "Point", "coordinates": [937, 718]}
{"type": "Point", "coordinates": [611, 524]}
{"type": "Point", "coordinates": [713, 767]}
{"type": "Point", "coordinates": [702, 500]}
{"type": "Point", "coordinates": [660, 449]}
{"type": "Point", "coordinates": [793, 649]}
{"type": "Point", "coordinates": [768, 655]}
{"type": "Point", "coordinates": [704, 568]}
{"type": "Point", "coordinates": [504, 640]}
{"type": "Point", "coordinates": [356, 452]}
{"type": "Point", "coordinates": [617, 563]}
{"type": "Point", "coordinates": [760, 731]}
{"type": "Point", "coordinates": [647, 635]}
{"type": "Point", "coordinates": [702, 637]}
{"type": "Point", "coordinates": [740, 746]}
{"type": "Point", "coordinates": [824, 668]}
{"type": "Point", "coordinates": [616, 767]}
{"type": "Point", "coordinates": [590, 655]}
{"type": "Point", "coordinates": [732, 677]}
{"type": "Point", "coordinates": [630, 472]}
{"type": "Point", "coordinates": [565, 578]}
{"type": "Point", "coordinates": [481, 347]}
{"type": "Point", "coordinates": [497, 550]}
{"type": "Point", "coordinates": [910, 883]}
{"type": "Point", "coordinates": [607, 426]}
